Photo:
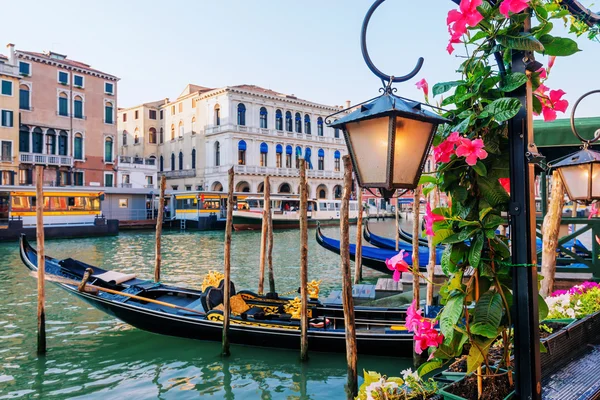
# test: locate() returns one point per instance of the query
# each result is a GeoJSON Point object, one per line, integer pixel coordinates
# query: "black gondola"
{"type": "Point", "coordinates": [270, 330]}
{"type": "Point", "coordinates": [386, 243]}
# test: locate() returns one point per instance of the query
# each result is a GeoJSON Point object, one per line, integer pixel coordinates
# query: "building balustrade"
{"type": "Point", "coordinates": [136, 162]}
{"type": "Point", "coordinates": [185, 173]}
{"type": "Point", "coordinates": [215, 129]}
{"type": "Point", "coordinates": [274, 171]}
{"type": "Point", "coordinates": [9, 69]}
{"type": "Point", "coordinates": [46, 159]}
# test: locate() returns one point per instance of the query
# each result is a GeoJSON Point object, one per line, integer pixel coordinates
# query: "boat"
{"type": "Point", "coordinates": [374, 257]}
{"type": "Point", "coordinates": [286, 213]}
{"type": "Point", "coordinates": [407, 237]}
{"type": "Point", "coordinates": [190, 313]}
{"type": "Point", "coordinates": [386, 243]}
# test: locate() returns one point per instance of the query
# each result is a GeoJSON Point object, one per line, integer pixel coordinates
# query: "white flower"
{"type": "Point", "coordinates": [374, 387]}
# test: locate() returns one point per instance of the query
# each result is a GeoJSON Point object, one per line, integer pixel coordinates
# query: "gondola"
{"type": "Point", "coordinates": [374, 257]}
{"type": "Point", "coordinates": [386, 243]}
{"type": "Point", "coordinates": [407, 237]}
{"type": "Point", "coordinates": [196, 316]}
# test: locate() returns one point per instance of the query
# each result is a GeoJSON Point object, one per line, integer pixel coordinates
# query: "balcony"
{"type": "Point", "coordinates": [185, 173]}
{"type": "Point", "coordinates": [9, 69]}
{"type": "Point", "coordinates": [126, 162]}
{"type": "Point", "coordinates": [274, 171]}
{"type": "Point", "coordinates": [216, 129]}
{"type": "Point", "coordinates": [45, 159]}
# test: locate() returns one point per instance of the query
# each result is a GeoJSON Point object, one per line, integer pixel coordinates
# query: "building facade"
{"type": "Point", "coordinates": [67, 120]}
{"type": "Point", "coordinates": [259, 132]}
{"type": "Point", "coordinates": [9, 118]}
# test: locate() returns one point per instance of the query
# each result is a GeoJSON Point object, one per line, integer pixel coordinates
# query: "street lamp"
{"type": "Point", "coordinates": [580, 171]}
{"type": "Point", "coordinates": [388, 137]}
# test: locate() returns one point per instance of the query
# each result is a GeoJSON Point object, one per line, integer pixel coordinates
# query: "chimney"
{"type": "Point", "coordinates": [12, 59]}
{"type": "Point", "coordinates": [166, 101]}
{"type": "Point", "coordinates": [348, 103]}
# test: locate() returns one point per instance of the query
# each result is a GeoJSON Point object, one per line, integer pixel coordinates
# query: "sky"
{"type": "Point", "coordinates": [310, 48]}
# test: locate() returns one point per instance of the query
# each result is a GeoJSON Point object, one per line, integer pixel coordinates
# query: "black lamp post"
{"type": "Point", "coordinates": [580, 171]}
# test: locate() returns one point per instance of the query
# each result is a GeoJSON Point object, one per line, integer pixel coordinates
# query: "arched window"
{"type": "Point", "coordinates": [161, 164]}
{"type": "Point", "coordinates": [307, 155]}
{"type": "Point", "coordinates": [278, 155]}
{"type": "Point", "coordinates": [63, 143]}
{"type": "Point", "coordinates": [320, 126]}
{"type": "Point", "coordinates": [322, 192]}
{"type": "Point", "coordinates": [78, 147]}
{"type": "Point", "coordinates": [172, 161]}
{"type": "Point", "coordinates": [321, 155]}
{"type": "Point", "coordinates": [193, 158]}
{"type": "Point", "coordinates": [108, 149]}
{"type": "Point", "coordinates": [217, 115]}
{"type": "Point", "coordinates": [38, 141]}
{"type": "Point", "coordinates": [288, 156]}
{"type": "Point", "coordinates": [263, 117]}
{"type": "Point", "coordinates": [264, 152]}
{"type": "Point", "coordinates": [124, 138]}
{"type": "Point", "coordinates": [194, 125]}
{"type": "Point", "coordinates": [180, 160]}
{"type": "Point", "coordinates": [78, 107]}
{"type": "Point", "coordinates": [298, 119]}
{"type": "Point", "coordinates": [337, 192]}
{"type": "Point", "coordinates": [336, 160]}
{"type": "Point", "coordinates": [217, 154]}
{"type": "Point", "coordinates": [136, 136]}
{"type": "Point", "coordinates": [63, 104]}
{"type": "Point", "coordinates": [24, 99]}
{"type": "Point", "coordinates": [108, 112]}
{"type": "Point", "coordinates": [298, 156]}
{"type": "Point", "coordinates": [180, 129]}
{"type": "Point", "coordinates": [162, 136]}
{"type": "Point", "coordinates": [288, 122]}
{"type": "Point", "coordinates": [241, 152]}
{"type": "Point", "coordinates": [285, 188]}
{"type": "Point", "coordinates": [24, 139]}
{"type": "Point", "coordinates": [278, 120]}
{"type": "Point", "coordinates": [307, 124]}
{"type": "Point", "coordinates": [173, 132]}
{"type": "Point", "coordinates": [241, 114]}
{"type": "Point", "coordinates": [152, 136]}
{"type": "Point", "coordinates": [50, 141]}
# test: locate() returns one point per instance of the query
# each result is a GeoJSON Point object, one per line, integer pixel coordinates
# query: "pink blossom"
{"type": "Point", "coordinates": [430, 218]}
{"type": "Point", "coordinates": [426, 336]}
{"type": "Point", "coordinates": [472, 150]}
{"type": "Point", "coordinates": [454, 137]}
{"type": "Point", "coordinates": [543, 73]}
{"type": "Point", "coordinates": [514, 6]}
{"type": "Point", "coordinates": [597, 239]}
{"type": "Point", "coordinates": [458, 20]}
{"type": "Point", "coordinates": [413, 317]}
{"type": "Point", "coordinates": [551, 61]}
{"type": "Point", "coordinates": [594, 211]}
{"type": "Point", "coordinates": [398, 265]}
{"type": "Point", "coordinates": [505, 182]}
{"type": "Point", "coordinates": [443, 152]}
{"type": "Point", "coordinates": [423, 85]}
{"type": "Point", "coordinates": [558, 293]}
{"type": "Point", "coordinates": [551, 103]}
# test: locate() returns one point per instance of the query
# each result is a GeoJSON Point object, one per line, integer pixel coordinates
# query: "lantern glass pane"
{"type": "Point", "coordinates": [577, 179]}
{"type": "Point", "coordinates": [596, 180]}
{"type": "Point", "coordinates": [369, 141]}
{"type": "Point", "coordinates": [412, 138]}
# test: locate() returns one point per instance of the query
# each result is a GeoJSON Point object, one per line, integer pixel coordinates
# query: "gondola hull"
{"type": "Point", "coordinates": [389, 244]}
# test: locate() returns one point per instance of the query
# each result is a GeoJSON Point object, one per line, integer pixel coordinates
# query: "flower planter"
{"type": "Point", "coordinates": [594, 328]}
{"type": "Point", "coordinates": [453, 376]}
{"type": "Point", "coordinates": [447, 395]}
{"type": "Point", "coordinates": [564, 344]}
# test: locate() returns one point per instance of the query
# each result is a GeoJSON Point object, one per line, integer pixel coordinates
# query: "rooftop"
{"type": "Point", "coordinates": [52, 56]}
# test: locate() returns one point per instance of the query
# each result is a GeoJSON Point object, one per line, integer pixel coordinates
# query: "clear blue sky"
{"type": "Point", "coordinates": [309, 48]}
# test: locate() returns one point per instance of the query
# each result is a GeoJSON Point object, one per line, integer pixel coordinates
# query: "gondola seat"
{"type": "Point", "coordinates": [194, 305]}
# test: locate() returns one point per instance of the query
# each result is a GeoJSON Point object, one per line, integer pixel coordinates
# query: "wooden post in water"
{"type": "Point", "coordinates": [303, 263]}
{"type": "Point", "coordinates": [359, 229]}
{"type": "Point", "coordinates": [550, 232]}
{"type": "Point", "coordinates": [397, 227]}
{"type": "Point", "coordinates": [270, 236]}
{"type": "Point", "coordinates": [41, 260]}
{"type": "Point", "coordinates": [415, 260]}
{"type": "Point", "coordinates": [263, 238]}
{"type": "Point", "coordinates": [159, 223]}
{"type": "Point", "coordinates": [347, 301]}
{"type": "Point", "coordinates": [227, 278]}
{"type": "Point", "coordinates": [434, 201]}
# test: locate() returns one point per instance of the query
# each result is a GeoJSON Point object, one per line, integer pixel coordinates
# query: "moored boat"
{"type": "Point", "coordinates": [387, 243]}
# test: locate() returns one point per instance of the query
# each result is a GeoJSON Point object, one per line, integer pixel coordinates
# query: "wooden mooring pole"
{"type": "Point", "coordinates": [397, 227]}
{"type": "Point", "coordinates": [303, 263]}
{"type": "Point", "coordinates": [270, 235]}
{"type": "Point", "coordinates": [227, 278]}
{"type": "Point", "coordinates": [550, 232]}
{"type": "Point", "coordinates": [434, 201]}
{"type": "Point", "coordinates": [159, 223]}
{"type": "Point", "coordinates": [415, 259]}
{"type": "Point", "coordinates": [359, 229]}
{"type": "Point", "coordinates": [263, 238]}
{"type": "Point", "coordinates": [41, 260]}
{"type": "Point", "coordinates": [347, 301]}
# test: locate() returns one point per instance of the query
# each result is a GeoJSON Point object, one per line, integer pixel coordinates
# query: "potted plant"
{"type": "Point", "coordinates": [498, 385]}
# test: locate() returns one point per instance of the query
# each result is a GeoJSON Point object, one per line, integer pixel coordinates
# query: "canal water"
{"type": "Point", "coordinates": [94, 356]}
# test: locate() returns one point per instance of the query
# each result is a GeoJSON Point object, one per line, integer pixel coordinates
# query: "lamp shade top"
{"type": "Point", "coordinates": [584, 156]}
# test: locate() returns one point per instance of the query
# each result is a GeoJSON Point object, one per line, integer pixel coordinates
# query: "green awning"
{"type": "Point", "coordinates": [558, 132]}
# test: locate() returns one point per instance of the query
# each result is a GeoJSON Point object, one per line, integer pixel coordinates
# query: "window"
{"type": "Point", "coordinates": [175, 187]}
{"type": "Point", "coordinates": [307, 154]}
{"type": "Point", "coordinates": [109, 88]}
{"type": "Point", "coordinates": [278, 154]}
{"type": "Point", "coordinates": [172, 110]}
{"type": "Point", "coordinates": [6, 119]}
{"type": "Point", "coordinates": [152, 136]}
{"type": "Point", "coordinates": [24, 139]}
{"type": "Point", "coordinates": [321, 154]}
{"type": "Point", "coordinates": [78, 178]}
{"type": "Point", "coordinates": [63, 104]}
{"type": "Point", "coordinates": [193, 125]}
{"type": "Point", "coordinates": [336, 133]}
{"type": "Point", "coordinates": [152, 114]}
{"type": "Point", "coordinates": [124, 203]}
{"type": "Point", "coordinates": [307, 124]}
{"type": "Point", "coordinates": [7, 88]}
{"type": "Point", "coordinates": [241, 114]}
{"type": "Point", "coordinates": [149, 180]}
{"type": "Point", "coordinates": [217, 154]}
{"type": "Point", "coordinates": [124, 138]}
{"type": "Point", "coordinates": [108, 179]}
{"type": "Point", "coordinates": [136, 137]}
{"type": "Point", "coordinates": [78, 80]}
{"type": "Point", "coordinates": [263, 117]}
{"type": "Point", "coordinates": [161, 165]}
{"type": "Point", "coordinates": [24, 98]}
{"type": "Point", "coordinates": [288, 121]}
{"type": "Point", "coordinates": [78, 107]}
{"type": "Point", "coordinates": [180, 160]}
{"type": "Point", "coordinates": [63, 77]}
{"type": "Point", "coordinates": [278, 120]}
{"type": "Point", "coordinates": [172, 132]}
{"type": "Point", "coordinates": [194, 103]}
{"type": "Point", "coordinates": [288, 156]}
{"type": "Point", "coordinates": [161, 136]}
{"type": "Point", "coordinates": [180, 129]}
{"type": "Point", "coordinates": [172, 161]}
{"type": "Point", "coordinates": [181, 107]}
{"type": "Point", "coordinates": [336, 161]}
{"type": "Point", "coordinates": [6, 150]}
{"type": "Point", "coordinates": [298, 119]}
{"type": "Point", "coordinates": [124, 117]}
{"type": "Point", "coordinates": [108, 112]}
{"type": "Point", "coordinates": [161, 114]}
{"type": "Point", "coordinates": [108, 150]}
{"type": "Point", "coordinates": [136, 114]}
{"type": "Point", "coordinates": [24, 68]}
{"type": "Point", "coordinates": [319, 126]}
{"type": "Point", "coordinates": [193, 158]}
{"type": "Point", "coordinates": [298, 156]}
{"type": "Point", "coordinates": [264, 152]}
{"type": "Point", "coordinates": [242, 152]}
{"type": "Point", "coordinates": [125, 178]}
{"type": "Point", "coordinates": [63, 140]}
{"type": "Point", "coordinates": [38, 141]}
{"type": "Point", "coordinates": [217, 115]}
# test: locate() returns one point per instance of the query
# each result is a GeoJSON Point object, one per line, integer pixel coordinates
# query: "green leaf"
{"type": "Point", "coordinates": [492, 221]}
{"type": "Point", "coordinates": [488, 310]}
{"type": "Point", "coordinates": [502, 109]}
{"type": "Point", "coordinates": [463, 125]}
{"type": "Point", "coordinates": [475, 251]}
{"type": "Point", "coordinates": [451, 256]}
{"type": "Point", "coordinates": [524, 41]}
{"type": "Point", "coordinates": [543, 348]}
{"type": "Point", "coordinates": [456, 282]}
{"type": "Point", "coordinates": [443, 87]}
{"type": "Point", "coordinates": [480, 168]}
{"type": "Point", "coordinates": [460, 194]}
{"type": "Point", "coordinates": [537, 104]}
{"type": "Point", "coordinates": [427, 179]}
{"type": "Point", "coordinates": [513, 81]}
{"type": "Point", "coordinates": [441, 234]}
{"type": "Point", "coordinates": [475, 357]}
{"type": "Point", "coordinates": [493, 192]}
{"type": "Point", "coordinates": [557, 46]}
{"type": "Point", "coordinates": [479, 35]}
{"type": "Point", "coordinates": [542, 308]}
{"type": "Point", "coordinates": [541, 12]}
{"type": "Point", "coordinates": [429, 366]}
{"type": "Point", "coordinates": [543, 29]}
{"type": "Point", "coordinates": [483, 330]}
{"type": "Point", "coordinates": [468, 232]}
{"type": "Point", "coordinates": [484, 212]}
{"type": "Point", "coordinates": [450, 315]}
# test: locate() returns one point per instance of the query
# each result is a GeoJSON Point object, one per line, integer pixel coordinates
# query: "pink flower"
{"type": "Point", "coordinates": [542, 72]}
{"type": "Point", "coordinates": [458, 20]}
{"type": "Point", "coordinates": [597, 239]}
{"type": "Point", "coordinates": [558, 293]}
{"type": "Point", "coordinates": [505, 182]}
{"type": "Point", "coordinates": [514, 6]}
{"type": "Point", "coordinates": [430, 218]}
{"type": "Point", "coordinates": [443, 152]}
{"type": "Point", "coordinates": [594, 212]}
{"type": "Point", "coordinates": [426, 336]}
{"type": "Point", "coordinates": [551, 61]}
{"type": "Point", "coordinates": [472, 150]}
{"type": "Point", "coordinates": [551, 103]}
{"type": "Point", "coordinates": [413, 317]}
{"type": "Point", "coordinates": [423, 85]}
{"type": "Point", "coordinates": [398, 265]}
{"type": "Point", "coordinates": [454, 137]}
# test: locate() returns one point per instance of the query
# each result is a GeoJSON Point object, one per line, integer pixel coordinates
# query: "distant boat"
{"type": "Point", "coordinates": [286, 215]}
{"type": "Point", "coordinates": [374, 257]}
{"type": "Point", "coordinates": [387, 243]}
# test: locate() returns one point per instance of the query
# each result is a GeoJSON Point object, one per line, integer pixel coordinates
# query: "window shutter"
{"type": "Point", "coordinates": [69, 178]}
{"type": "Point", "coordinates": [29, 177]}
{"type": "Point", "coordinates": [57, 178]}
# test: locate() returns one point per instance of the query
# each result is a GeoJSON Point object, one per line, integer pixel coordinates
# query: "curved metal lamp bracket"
{"type": "Point", "coordinates": [386, 79]}
{"type": "Point", "coordinates": [586, 142]}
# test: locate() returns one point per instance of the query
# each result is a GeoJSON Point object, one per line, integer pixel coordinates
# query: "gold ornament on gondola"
{"type": "Point", "coordinates": [313, 289]}
{"type": "Point", "coordinates": [212, 278]}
